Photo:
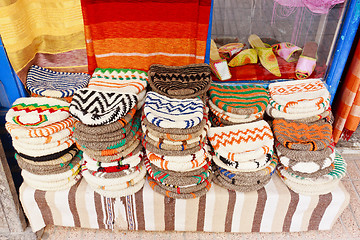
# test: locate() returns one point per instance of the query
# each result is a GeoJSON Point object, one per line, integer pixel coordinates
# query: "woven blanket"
{"type": "Point", "coordinates": [37, 112]}
{"type": "Point", "coordinates": [165, 112]}
{"type": "Point", "coordinates": [97, 108]}
{"type": "Point", "coordinates": [245, 100]}
{"type": "Point", "coordinates": [307, 93]}
{"type": "Point", "coordinates": [273, 208]}
{"type": "Point", "coordinates": [188, 81]}
{"type": "Point", "coordinates": [48, 83]}
{"type": "Point", "coordinates": [303, 136]}
{"type": "Point", "coordinates": [154, 27]}
{"type": "Point", "coordinates": [119, 80]}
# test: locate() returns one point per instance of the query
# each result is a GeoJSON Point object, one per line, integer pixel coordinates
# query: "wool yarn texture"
{"type": "Point", "coordinates": [41, 146]}
{"type": "Point", "coordinates": [160, 144]}
{"type": "Point", "coordinates": [54, 186]}
{"type": "Point", "coordinates": [289, 109]}
{"type": "Point", "coordinates": [303, 136]}
{"type": "Point", "coordinates": [96, 108]}
{"type": "Point", "coordinates": [299, 93]}
{"type": "Point", "coordinates": [17, 131]}
{"type": "Point", "coordinates": [48, 83]}
{"type": "Point", "coordinates": [65, 99]}
{"type": "Point", "coordinates": [242, 100]}
{"type": "Point", "coordinates": [189, 81]}
{"type": "Point", "coordinates": [105, 129]}
{"type": "Point", "coordinates": [203, 152]}
{"type": "Point", "coordinates": [307, 116]}
{"type": "Point", "coordinates": [37, 112]}
{"type": "Point", "coordinates": [165, 112]}
{"type": "Point", "coordinates": [157, 187]}
{"type": "Point", "coordinates": [177, 131]}
{"type": "Point", "coordinates": [316, 174]}
{"type": "Point", "coordinates": [240, 138]}
{"type": "Point", "coordinates": [57, 137]}
{"type": "Point", "coordinates": [325, 116]}
{"type": "Point", "coordinates": [177, 166]}
{"type": "Point", "coordinates": [49, 157]}
{"type": "Point", "coordinates": [122, 193]}
{"type": "Point", "coordinates": [248, 166]}
{"type": "Point", "coordinates": [119, 174]}
{"type": "Point", "coordinates": [42, 152]}
{"type": "Point", "coordinates": [154, 149]}
{"type": "Point", "coordinates": [119, 80]}
{"type": "Point", "coordinates": [62, 160]}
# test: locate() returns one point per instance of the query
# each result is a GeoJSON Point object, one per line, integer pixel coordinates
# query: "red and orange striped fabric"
{"type": "Point", "coordinates": [136, 34]}
{"type": "Point", "coordinates": [347, 114]}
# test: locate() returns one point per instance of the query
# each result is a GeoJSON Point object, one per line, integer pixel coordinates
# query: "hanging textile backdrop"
{"type": "Point", "coordinates": [47, 33]}
{"type": "Point", "coordinates": [347, 112]}
{"type": "Point", "coordinates": [136, 34]}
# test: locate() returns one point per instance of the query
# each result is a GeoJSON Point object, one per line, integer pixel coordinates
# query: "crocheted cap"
{"type": "Point", "coordinates": [245, 99]}
{"type": "Point", "coordinates": [165, 112]}
{"type": "Point", "coordinates": [303, 136]}
{"type": "Point", "coordinates": [299, 93]}
{"type": "Point", "coordinates": [37, 111]}
{"type": "Point", "coordinates": [119, 80]}
{"type": "Point", "coordinates": [96, 108]}
{"type": "Point", "coordinates": [241, 137]}
{"type": "Point", "coordinates": [46, 82]}
{"type": "Point", "coordinates": [187, 81]}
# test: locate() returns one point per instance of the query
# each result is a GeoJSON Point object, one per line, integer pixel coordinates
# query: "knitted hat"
{"type": "Point", "coordinates": [121, 193]}
{"type": "Point", "coordinates": [236, 118]}
{"type": "Point", "coordinates": [37, 112]}
{"type": "Point", "coordinates": [29, 132]}
{"type": "Point", "coordinates": [105, 129]}
{"type": "Point", "coordinates": [61, 161]}
{"type": "Point", "coordinates": [187, 81]}
{"type": "Point", "coordinates": [303, 136]}
{"type": "Point", "coordinates": [326, 115]}
{"type": "Point", "coordinates": [53, 186]}
{"type": "Point", "coordinates": [186, 189]}
{"type": "Point", "coordinates": [46, 82]}
{"type": "Point", "coordinates": [298, 155]}
{"type": "Point", "coordinates": [65, 99]}
{"type": "Point", "coordinates": [117, 143]}
{"type": "Point", "coordinates": [244, 100]}
{"type": "Point", "coordinates": [215, 120]}
{"type": "Point", "coordinates": [160, 144]}
{"type": "Point", "coordinates": [42, 152]}
{"type": "Point", "coordinates": [295, 109]}
{"type": "Point", "coordinates": [298, 93]}
{"type": "Point", "coordinates": [50, 145]}
{"type": "Point", "coordinates": [96, 108]}
{"type": "Point", "coordinates": [240, 138]}
{"type": "Point", "coordinates": [150, 147]}
{"type": "Point", "coordinates": [157, 187]}
{"type": "Point", "coordinates": [57, 137]}
{"type": "Point", "coordinates": [46, 169]}
{"type": "Point", "coordinates": [267, 148]}
{"type": "Point", "coordinates": [179, 131]}
{"type": "Point", "coordinates": [118, 80]}
{"type": "Point", "coordinates": [114, 174]}
{"type": "Point", "coordinates": [132, 147]}
{"type": "Point", "coordinates": [305, 117]}
{"type": "Point", "coordinates": [202, 153]}
{"type": "Point", "coordinates": [177, 166]}
{"type": "Point", "coordinates": [48, 158]}
{"type": "Point", "coordinates": [248, 166]}
{"type": "Point", "coordinates": [165, 112]}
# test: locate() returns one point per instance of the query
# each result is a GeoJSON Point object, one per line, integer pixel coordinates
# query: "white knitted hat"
{"type": "Point", "coordinates": [37, 111]}
{"type": "Point", "coordinates": [299, 93]}
{"type": "Point", "coordinates": [167, 112]}
{"type": "Point", "coordinates": [274, 113]}
{"type": "Point", "coordinates": [241, 137]}
{"type": "Point", "coordinates": [94, 165]}
{"type": "Point", "coordinates": [53, 186]}
{"type": "Point", "coordinates": [96, 108]}
{"type": "Point", "coordinates": [42, 152]}
{"type": "Point", "coordinates": [121, 193]}
{"type": "Point", "coordinates": [296, 109]}
{"type": "Point", "coordinates": [54, 138]}
{"type": "Point", "coordinates": [41, 146]}
{"type": "Point", "coordinates": [249, 166]}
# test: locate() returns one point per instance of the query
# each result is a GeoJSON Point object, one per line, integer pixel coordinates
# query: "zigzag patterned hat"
{"type": "Point", "coordinates": [181, 82]}
{"type": "Point", "coordinates": [37, 111]}
{"type": "Point", "coordinates": [48, 83]}
{"type": "Point", "coordinates": [241, 137]}
{"type": "Point", "coordinates": [95, 108]}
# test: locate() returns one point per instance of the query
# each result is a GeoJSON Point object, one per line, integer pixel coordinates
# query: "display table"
{"type": "Point", "coordinates": [273, 208]}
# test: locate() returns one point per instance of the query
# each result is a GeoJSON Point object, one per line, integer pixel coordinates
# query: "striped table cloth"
{"type": "Point", "coordinates": [273, 208]}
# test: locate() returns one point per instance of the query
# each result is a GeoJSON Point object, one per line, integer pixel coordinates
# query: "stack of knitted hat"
{"type": "Point", "coordinates": [231, 105]}
{"type": "Point", "coordinates": [243, 158]}
{"type": "Point", "coordinates": [174, 134]}
{"type": "Point", "coordinates": [303, 134]}
{"type": "Point", "coordinates": [109, 131]}
{"type": "Point", "coordinates": [181, 82]}
{"type": "Point", "coordinates": [42, 129]}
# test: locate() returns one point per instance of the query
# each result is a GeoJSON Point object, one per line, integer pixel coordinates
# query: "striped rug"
{"type": "Point", "coordinates": [136, 34]}
{"type": "Point", "coordinates": [273, 208]}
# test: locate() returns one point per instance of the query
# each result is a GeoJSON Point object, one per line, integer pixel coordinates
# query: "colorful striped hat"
{"type": "Point", "coordinates": [37, 111]}
{"type": "Point", "coordinates": [48, 83]}
{"type": "Point", "coordinates": [243, 100]}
